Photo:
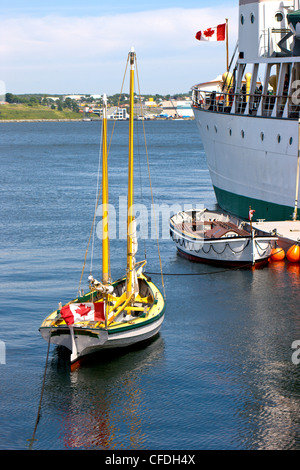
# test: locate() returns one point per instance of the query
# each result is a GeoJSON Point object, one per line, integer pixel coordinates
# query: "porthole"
{"type": "Point", "coordinates": [278, 16]}
{"type": "Point", "coordinates": [252, 18]}
{"type": "Point", "coordinates": [242, 134]}
{"type": "Point", "coordinates": [262, 136]}
{"type": "Point", "coordinates": [230, 132]}
{"type": "Point", "coordinates": [242, 19]}
{"type": "Point", "coordinates": [207, 127]}
{"type": "Point", "coordinates": [279, 138]}
{"type": "Point", "coordinates": [216, 130]}
{"type": "Point", "coordinates": [291, 140]}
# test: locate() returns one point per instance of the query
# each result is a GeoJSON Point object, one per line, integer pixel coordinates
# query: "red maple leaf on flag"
{"type": "Point", "coordinates": [208, 33]}
{"type": "Point", "coordinates": [83, 310]}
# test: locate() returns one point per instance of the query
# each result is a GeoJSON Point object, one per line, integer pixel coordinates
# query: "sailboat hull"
{"type": "Point", "coordinates": [91, 342]}
{"type": "Point", "coordinates": [85, 339]}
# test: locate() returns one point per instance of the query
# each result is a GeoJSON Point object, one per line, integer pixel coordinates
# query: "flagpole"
{"type": "Point", "coordinates": [227, 55]}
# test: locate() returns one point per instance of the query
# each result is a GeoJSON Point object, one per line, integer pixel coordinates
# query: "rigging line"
{"type": "Point", "coordinates": [119, 100]}
{"type": "Point", "coordinates": [160, 263]}
{"type": "Point", "coordinates": [41, 397]}
{"type": "Point", "coordinates": [111, 136]}
{"type": "Point", "coordinates": [86, 252]}
{"type": "Point", "coordinates": [87, 248]}
{"type": "Point", "coordinates": [202, 274]}
{"type": "Point", "coordinates": [96, 202]}
{"type": "Point", "coordinates": [141, 185]}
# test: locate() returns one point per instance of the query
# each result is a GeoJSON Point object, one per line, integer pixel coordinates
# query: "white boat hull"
{"type": "Point", "coordinates": [88, 342]}
{"type": "Point", "coordinates": [84, 337]}
{"type": "Point", "coordinates": [233, 250]}
{"type": "Point", "coordinates": [244, 251]}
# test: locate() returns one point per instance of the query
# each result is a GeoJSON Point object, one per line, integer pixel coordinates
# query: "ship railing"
{"type": "Point", "coordinates": [254, 104]}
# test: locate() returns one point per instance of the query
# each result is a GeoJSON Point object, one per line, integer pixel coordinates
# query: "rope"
{"type": "Point", "coordinates": [87, 249]}
{"type": "Point", "coordinates": [99, 194]}
{"type": "Point", "coordinates": [141, 185]}
{"type": "Point", "coordinates": [96, 202]}
{"type": "Point", "coordinates": [160, 263]}
{"type": "Point", "coordinates": [40, 404]}
{"type": "Point", "coordinates": [203, 274]}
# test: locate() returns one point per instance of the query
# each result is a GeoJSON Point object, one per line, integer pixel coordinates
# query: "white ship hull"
{"type": "Point", "coordinates": [252, 162]}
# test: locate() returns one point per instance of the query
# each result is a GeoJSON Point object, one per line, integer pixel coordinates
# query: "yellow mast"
{"type": "Point", "coordinates": [105, 235]}
{"type": "Point", "coordinates": [130, 202]}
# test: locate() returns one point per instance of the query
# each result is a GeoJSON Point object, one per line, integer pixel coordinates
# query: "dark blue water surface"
{"type": "Point", "coordinates": [220, 374]}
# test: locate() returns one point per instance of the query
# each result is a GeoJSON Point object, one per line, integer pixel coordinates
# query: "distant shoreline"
{"type": "Point", "coordinates": [40, 120]}
{"type": "Point", "coordinates": [82, 120]}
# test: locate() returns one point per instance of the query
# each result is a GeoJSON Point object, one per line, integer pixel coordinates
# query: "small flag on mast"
{"type": "Point", "coordinates": [251, 212]}
{"type": "Point", "coordinates": [216, 33]}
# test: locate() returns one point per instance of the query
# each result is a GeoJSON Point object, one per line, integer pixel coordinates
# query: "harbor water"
{"type": "Point", "coordinates": [223, 372]}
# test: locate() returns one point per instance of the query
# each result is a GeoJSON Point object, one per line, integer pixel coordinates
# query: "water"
{"type": "Point", "coordinates": [219, 376]}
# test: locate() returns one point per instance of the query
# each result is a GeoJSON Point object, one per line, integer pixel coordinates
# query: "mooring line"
{"type": "Point", "coordinates": [31, 441]}
{"type": "Point", "coordinates": [201, 274]}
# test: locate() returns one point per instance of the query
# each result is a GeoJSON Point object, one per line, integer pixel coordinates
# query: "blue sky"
{"type": "Point", "coordinates": [64, 46]}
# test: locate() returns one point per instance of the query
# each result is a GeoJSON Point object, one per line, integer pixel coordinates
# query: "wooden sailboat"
{"type": "Point", "coordinates": [112, 314]}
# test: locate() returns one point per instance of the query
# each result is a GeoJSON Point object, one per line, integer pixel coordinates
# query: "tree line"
{"type": "Point", "coordinates": [72, 104]}
{"type": "Point", "coordinates": [34, 100]}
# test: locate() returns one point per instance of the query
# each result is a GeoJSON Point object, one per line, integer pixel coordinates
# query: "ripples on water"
{"type": "Point", "coordinates": [219, 375]}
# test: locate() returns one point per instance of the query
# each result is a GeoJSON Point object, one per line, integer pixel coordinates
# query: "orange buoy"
{"type": "Point", "coordinates": [293, 254]}
{"type": "Point", "coordinates": [277, 254]}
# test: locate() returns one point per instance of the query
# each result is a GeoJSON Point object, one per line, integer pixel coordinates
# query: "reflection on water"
{"type": "Point", "coordinates": [272, 409]}
{"type": "Point", "coordinates": [104, 401]}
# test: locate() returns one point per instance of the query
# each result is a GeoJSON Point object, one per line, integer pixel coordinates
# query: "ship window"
{"type": "Point", "coordinates": [278, 16]}
{"type": "Point", "coordinates": [216, 130]}
{"type": "Point", "coordinates": [230, 131]}
{"type": "Point", "coordinates": [252, 18]}
{"type": "Point", "coordinates": [279, 138]}
{"type": "Point", "coordinates": [243, 133]}
{"type": "Point", "coordinates": [291, 140]}
{"type": "Point", "coordinates": [207, 127]}
{"type": "Point", "coordinates": [242, 19]}
{"type": "Point", "coordinates": [262, 136]}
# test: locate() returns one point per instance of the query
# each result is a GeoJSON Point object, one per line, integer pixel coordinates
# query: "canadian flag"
{"type": "Point", "coordinates": [216, 33]}
{"type": "Point", "coordinates": [251, 212]}
{"type": "Point", "coordinates": [89, 311]}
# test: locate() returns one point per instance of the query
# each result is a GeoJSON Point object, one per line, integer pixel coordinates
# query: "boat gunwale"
{"type": "Point", "coordinates": [188, 237]}
{"type": "Point", "coordinates": [117, 328]}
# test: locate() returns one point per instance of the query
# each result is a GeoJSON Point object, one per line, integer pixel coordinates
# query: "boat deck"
{"type": "Point", "coordinates": [288, 231]}
{"type": "Point", "coordinates": [210, 229]}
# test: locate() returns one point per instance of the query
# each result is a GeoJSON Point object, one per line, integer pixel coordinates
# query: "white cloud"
{"type": "Point", "coordinates": [63, 54]}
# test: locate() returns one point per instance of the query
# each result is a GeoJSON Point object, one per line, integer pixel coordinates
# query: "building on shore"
{"type": "Point", "coordinates": [184, 109]}
{"type": "Point", "coordinates": [117, 114]}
